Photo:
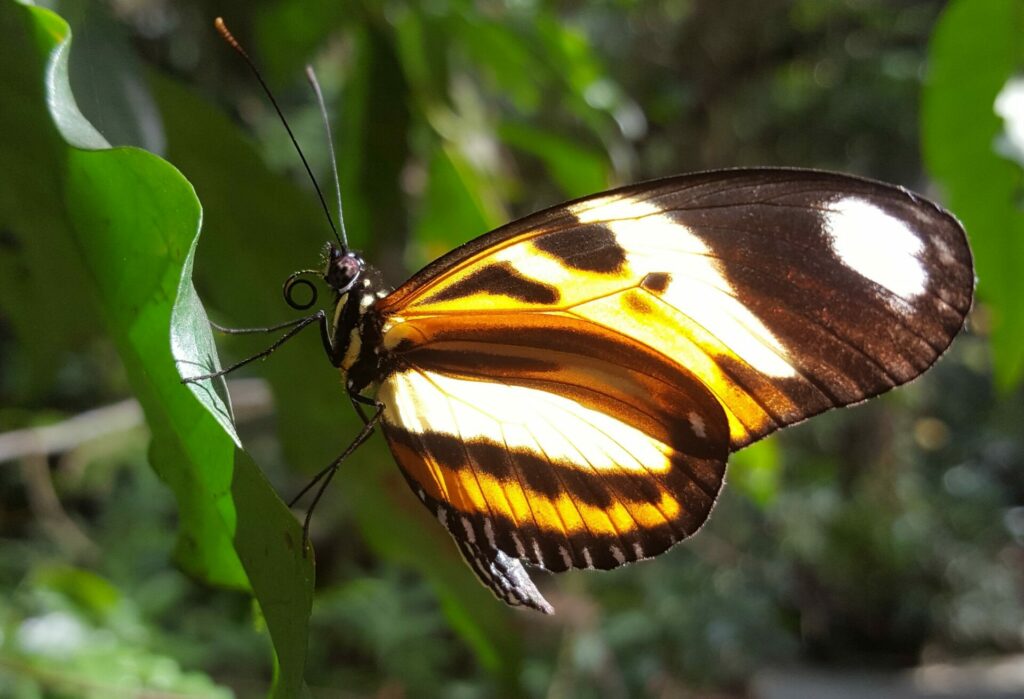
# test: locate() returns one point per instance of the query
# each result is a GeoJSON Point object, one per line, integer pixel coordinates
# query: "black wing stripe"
{"type": "Point", "coordinates": [501, 278]}
{"type": "Point", "coordinates": [582, 483]}
{"type": "Point", "coordinates": [605, 552]}
{"type": "Point", "coordinates": [591, 248]}
{"type": "Point", "coordinates": [469, 461]}
{"type": "Point", "coordinates": [559, 477]}
{"type": "Point", "coordinates": [604, 556]}
{"type": "Point", "coordinates": [504, 537]}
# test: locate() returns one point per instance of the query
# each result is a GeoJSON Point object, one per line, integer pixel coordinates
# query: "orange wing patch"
{"type": "Point", "coordinates": [549, 470]}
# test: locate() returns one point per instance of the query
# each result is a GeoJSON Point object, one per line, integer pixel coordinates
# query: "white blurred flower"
{"type": "Point", "coordinates": [1009, 105]}
{"type": "Point", "coordinates": [57, 634]}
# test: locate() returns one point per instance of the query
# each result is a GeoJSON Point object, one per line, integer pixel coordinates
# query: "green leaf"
{"type": "Point", "coordinates": [108, 80]}
{"type": "Point", "coordinates": [512, 64]}
{"type": "Point", "coordinates": [195, 351]}
{"type": "Point", "coordinates": [756, 470]}
{"type": "Point", "coordinates": [127, 258]}
{"type": "Point", "coordinates": [589, 90]}
{"type": "Point", "coordinates": [34, 231]}
{"type": "Point", "coordinates": [88, 594]}
{"type": "Point", "coordinates": [270, 545]}
{"type": "Point", "coordinates": [134, 255]}
{"type": "Point", "coordinates": [577, 170]}
{"type": "Point", "coordinates": [453, 209]}
{"type": "Point", "coordinates": [133, 219]}
{"type": "Point", "coordinates": [976, 47]}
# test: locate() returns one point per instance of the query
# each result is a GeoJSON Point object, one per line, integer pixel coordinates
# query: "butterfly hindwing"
{"type": "Point", "coordinates": [552, 443]}
{"type": "Point", "coordinates": [567, 453]}
{"type": "Point", "coordinates": [565, 390]}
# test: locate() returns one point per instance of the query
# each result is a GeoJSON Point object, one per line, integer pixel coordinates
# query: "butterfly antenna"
{"type": "Point", "coordinates": [223, 30]}
{"type": "Point", "coordinates": [311, 76]}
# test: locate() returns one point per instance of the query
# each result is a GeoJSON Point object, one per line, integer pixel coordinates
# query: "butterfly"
{"type": "Point", "coordinates": [564, 392]}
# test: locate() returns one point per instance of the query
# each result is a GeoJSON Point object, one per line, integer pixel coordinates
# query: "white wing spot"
{"type": "Point", "coordinates": [617, 554]}
{"type": "Point", "coordinates": [470, 534]}
{"type": "Point", "coordinates": [520, 550]}
{"type": "Point", "coordinates": [537, 555]}
{"type": "Point", "coordinates": [586, 557]}
{"type": "Point", "coordinates": [489, 533]}
{"type": "Point", "coordinates": [423, 496]}
{"type": "Point", "coordinates": [876, 245]}
{"type": "Point", "coordinates": [697, 424]}
{"type": "Point", "coordinates": [566, 558]}
{"type": "Point", "coordinates": [638, 550]}
{"type": "Point", "coordinates": [945, 252]}
{"type": "Point", "coordinates": [442, 517]}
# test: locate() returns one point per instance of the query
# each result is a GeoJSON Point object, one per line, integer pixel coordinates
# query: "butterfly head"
{"type": "Point", "coordinates": [343, 268]}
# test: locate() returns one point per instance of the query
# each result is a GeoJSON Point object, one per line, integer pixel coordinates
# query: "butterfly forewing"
{"type": "Point", "coordinates": [785, 292]}
{"type": "Point", "coordinates": [565, 390]}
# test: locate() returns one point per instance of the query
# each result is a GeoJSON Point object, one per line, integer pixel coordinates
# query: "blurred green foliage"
{"type": "Point", "coordinates": [882, 535]}
{"type": "Point", "coordinates": [976, 50]}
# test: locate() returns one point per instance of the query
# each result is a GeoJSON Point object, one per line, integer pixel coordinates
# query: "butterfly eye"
{"type": "Point", "coordinates": [343, 272]}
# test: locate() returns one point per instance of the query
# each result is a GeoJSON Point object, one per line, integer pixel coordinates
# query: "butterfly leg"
{"type": "Point", "coordinates": [296, 326]}
{"type": "Point", "coordinates": [360, 401]}
{"type": "Point", "coordinates": [323, 478]}
{"type": "Point", "coordinates": [250, 331]}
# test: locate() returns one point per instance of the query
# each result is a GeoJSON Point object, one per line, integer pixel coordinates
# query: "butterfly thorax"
{"type": "Point", "coordinates": [356, 330]}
